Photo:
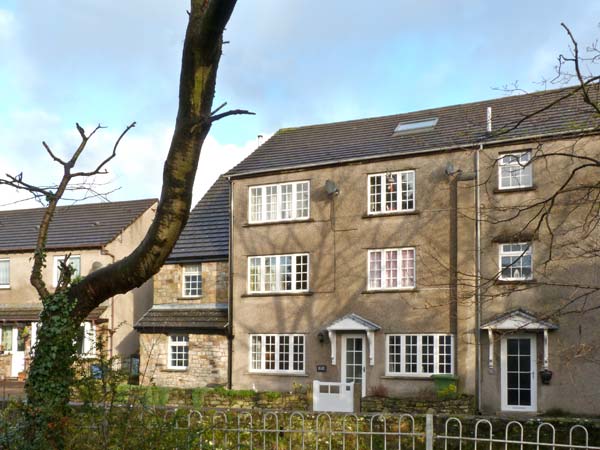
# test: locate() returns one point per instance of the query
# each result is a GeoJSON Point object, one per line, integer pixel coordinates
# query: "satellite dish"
{"type": "Point", "coordinates": [449, 168]}
{"type": "Point", "coordinates": [95, 266]}
{"type": "Point", "coordinates": [331, 188]}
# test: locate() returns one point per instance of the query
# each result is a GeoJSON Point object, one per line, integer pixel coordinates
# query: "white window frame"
{"type": "Point", "coordinates": [278, 288]}
{"type": "Point", "coordinates": [517, 166]}
{"type": "Point", "coordinates": [184, 274]}
{"type": "Point", "coordinates": [7, 261]}
{"type": "Point", "coordinates": [520, 254]}
{"type": "Point", "coordinates": [185, 343]}
{"type": "Point", "coordinates": [382, 179]}
{"type": "Point", "coordinates": [56, 272]}
{"type": "Point", "coordinates": [291, 354]}
{"type": "Point", "coordinates": [89, 340]}
{"type": "Point", "coordinates": [436, 354]}
{"type": "Point", "coordinates": [398, 269]}
{"type": "Point", "coordinates": [293, 212]}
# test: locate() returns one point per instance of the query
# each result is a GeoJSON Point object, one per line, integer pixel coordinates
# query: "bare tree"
{"type": "Point", "coordinates": [51, 374]}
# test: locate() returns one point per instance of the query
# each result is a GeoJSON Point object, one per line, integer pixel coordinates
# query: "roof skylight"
{"type": "Point", "coordinates": [415, 126]}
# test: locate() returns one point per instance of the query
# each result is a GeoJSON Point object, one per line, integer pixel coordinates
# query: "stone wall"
{"type": "Point", "coordinates": [207, 362]}
{"type": "Point", "coordinates": [463, 404]}
{"type": "Point", "coordinates": [168, 284]}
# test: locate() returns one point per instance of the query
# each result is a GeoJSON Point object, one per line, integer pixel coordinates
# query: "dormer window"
{"type": "Point", "coordinates": [415, 126]}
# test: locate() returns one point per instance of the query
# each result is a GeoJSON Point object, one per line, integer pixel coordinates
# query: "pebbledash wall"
{"type": "Point", "coordinates": [207, 352]}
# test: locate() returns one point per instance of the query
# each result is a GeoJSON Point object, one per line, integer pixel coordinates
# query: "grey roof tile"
{"type": "Point", "coordinates": [205, 237]}
{"type": "Point", "coordinates": [76, 226]}
{"type": "Point", "coordinates": [207, 319]}
{"type": "Point", "coordinates": [458, 125]}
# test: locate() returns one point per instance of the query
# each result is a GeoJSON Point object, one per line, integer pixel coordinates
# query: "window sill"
{"type": "Point", "coordinates": [278, 294]}
{"type": "Point", "coordinates": [515, 282]}
{"type": "Point", "coordinates": [393, 214]}
{"type": "Point", "coordinates": [4, 287]}
{"type": "Point", "coordinates": [196, 297]}
{"type": "Point", "coordinates": [275, 222]}
{"type": "Point", "coordinates": [518, 189]}
{"type": "Point", "coordinates": [278, 374]}
{"type": "Point", "coordinates": [172, 369]}
{"type": "Point", "coordinates": [389, 291]}
{"type": "Point", "coordinates": [407, 377]}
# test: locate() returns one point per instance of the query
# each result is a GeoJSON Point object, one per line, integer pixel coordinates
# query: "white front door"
{"type": "Point", "coordinates": [18, 351]}
{"type": "Point", "coordinates": [519, 374]}
{"type": "Point", "coordinates": [354, 357]}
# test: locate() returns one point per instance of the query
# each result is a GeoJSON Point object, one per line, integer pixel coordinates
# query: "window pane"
{"type": "Point", "coordinates": [284, 352]}
{"type": "Point", "coordinates": [407, 273]}
{"type": "Point", "coordinates": [254, 270]}
{"type": "Point", "coordinates": [408, 190]}
{"type": "Point", "coordinates": [427, 354]}
{"type": "Point", "coordinates": [256, 352]}
{"type": "Point", "coordinates": [270, 352]}
{"type": "Point", "coordinates": [375, 193]}
{"type": "Point", "coordinates": [270, 273]}
{"type": "Point", "coordinates": [5, 272]}
{"type": "Point", "coordinates": [410, 352]}
{"type": "Point", "coordinates": [395, 354]}
{"type": "Point", "coordinates": [192, 280]}
{"type": "Point", "coordinates": [391, 268]}
{"type": "Point", "coordinates": [271, 203]}
{"type": "Point", "coordinates": [375, 269]}
{"type": "Point", "coordinates": [302, 199]}
{"type": "Point", "coordinates": [285, 272]}
{"type": "Point", "coordinates": [445, 354]}
{"type": "Point", "coordinates": [286, 201]}
{"type": "Point", "coordinates": [255, 204]}
{"type": "Point", "coordinates": [391, 192]}
{"type": "Point", "coordinates": [302, 272]}
{"type": "Point", "coordinates": [298, 353]}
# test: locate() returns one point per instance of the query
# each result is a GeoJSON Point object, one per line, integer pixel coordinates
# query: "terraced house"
{"type": "Point", "coordinates": [184, 336]}
{"type": "Point", "coordinates": [91, 236]}
{"type": "Point", "coordinates": [385, 251]}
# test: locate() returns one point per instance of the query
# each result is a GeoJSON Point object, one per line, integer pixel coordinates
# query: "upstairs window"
{"type": "Point", "coordinates": [178, 354]}
{"type": "Point", "coordinates": [4, 273]}
{"type": "Point", "coordinates": [192, 280]}
{"type": "Point", "coordinates": [278, 273]}
{"type": "Point", "coordinates": [279, 202]}
{"type": "Point", "coordinates": [392, 192]}
{"type": "Point", "coordinates": [516, 261]}
{"type": "Point", "coordinates": [419, 354]}
{"type": "Point", "coordinates": [514, 171]}
{"type": "Point", "coordinates": [74, 262]}
{"type": "Point", "coordinates": [392, 268]}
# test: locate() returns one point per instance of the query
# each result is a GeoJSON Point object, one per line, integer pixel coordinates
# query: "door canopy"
{"type": "Point", "coordinates": [353, 323]}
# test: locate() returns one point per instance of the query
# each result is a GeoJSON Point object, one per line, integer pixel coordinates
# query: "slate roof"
{"type": "Point", "coordinates": [76, 226]}
{"type": "Point", "coordinates": [205, 237]}
{"type": "Point", "coordinates": [189, 318]}
{"type": "Point", "coordinates": [459, 125]}
{"type": "Point", "coordinates": [31, 313]}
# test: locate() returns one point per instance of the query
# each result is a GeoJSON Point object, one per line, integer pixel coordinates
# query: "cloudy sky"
{"type": "Point", "coordinates": [293, 62]}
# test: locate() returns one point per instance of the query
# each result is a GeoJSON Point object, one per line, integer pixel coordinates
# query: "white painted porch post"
{"type": "Point", "coordinates": [332, 340]}
{"type": "Point", "coordinates": [491, 350]}
{"type": "Point", "coordinates": [546, 364]}
{"type": "Point", "coordinates": [371, 339]}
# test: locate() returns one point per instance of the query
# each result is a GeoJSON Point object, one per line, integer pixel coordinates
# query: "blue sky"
{"type": "Point", "coordinates": [293, 62]}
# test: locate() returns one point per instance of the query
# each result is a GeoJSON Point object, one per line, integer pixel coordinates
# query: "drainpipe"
{"type": "Point", "coordinates": [478, 273]}
{"type": "Point", "coordinates": [230, 294]}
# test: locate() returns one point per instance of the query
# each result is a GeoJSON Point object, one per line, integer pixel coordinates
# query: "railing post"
{"type": "Point", "coordinates": [428, 431]}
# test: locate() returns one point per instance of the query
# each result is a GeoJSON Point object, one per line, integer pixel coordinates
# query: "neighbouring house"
{"type": "Point", "coordinates": [387, 250]}
{"type": "Point", "coordinates": [92, 236]}
{"type": "Point", "coordinates": [184, 336]}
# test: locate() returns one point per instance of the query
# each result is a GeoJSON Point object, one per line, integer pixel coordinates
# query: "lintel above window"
{"type": "Point", "coordinates": [279, 202]}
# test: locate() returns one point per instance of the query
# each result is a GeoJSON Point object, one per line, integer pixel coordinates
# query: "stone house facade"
{"type": "Point", "coordinates": [93, 235]}
{"type": "Point", "coordinates": [391, 250]}
{"type": "Point", "coordinates": [184, 336]}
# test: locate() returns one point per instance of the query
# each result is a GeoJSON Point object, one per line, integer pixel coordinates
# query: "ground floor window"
{"type": "Point", "coordinates": [86, 340]}
{"type": "Point", "coordinates": [283, 353]}
{"type": "Point", "coordinates": [179, 355]}
{"type": "Point", "coordinates": [419, 354]}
